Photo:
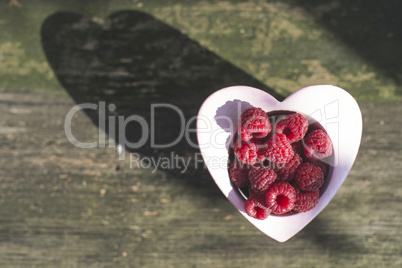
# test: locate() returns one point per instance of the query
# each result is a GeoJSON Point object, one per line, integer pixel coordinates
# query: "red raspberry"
{"type": "Point", "coordinates": [261, 178]}
{"type": "Point", "coordinates": [278, 149]}
{"type": "Point", "coordinates": [281, 197]}
{"type": "Point", "coordinates": [317, 144]}
{"type": "Point", "coordinates": [246, 152]}
{"type": "Point", "coordinates": [321, 164]}
{"type": "Point", "coordinates": [288, 171]}
{"type": "Point", "coordinates": [238, 173]}
{"type": "Point", "coordinates": [309, 177]}
{"type": "Point", "coordinates": [254, 122]}
{"type": "Point", "coordinates": [294, 126]}
{"type": "Point", "coordinates": [306, 201]}
{"type": "Point", "coordinates": [256, 207]}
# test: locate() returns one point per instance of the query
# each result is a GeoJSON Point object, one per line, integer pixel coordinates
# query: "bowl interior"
{"type": "Point", "coordinates": [274, 117]}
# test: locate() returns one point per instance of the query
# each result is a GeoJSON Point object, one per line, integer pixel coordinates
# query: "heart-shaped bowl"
{"type": "Point", "coordinates": [332, 107]}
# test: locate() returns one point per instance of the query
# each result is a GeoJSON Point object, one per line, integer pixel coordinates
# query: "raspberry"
{"type": "Point", "coordinates": [256, 207]}
{"type": "Point", "coordinates": [306, 201]}
{"type": "Point", "coordinates": [309, 177]}
{"type": "Point", "coordinates": [321, 164]}
{"type": "Point", "coordinates": [278, 149]}
{"type": "Point", "coordinates": [317, 144]}
{"type": "Point", "coordinates": [254, 122]}
{"type": "Point", "coordinates": [281, 197]}
{"type": "Point", "coordinates": [238, 173]}
{"type": "Point", "coordinates": [288, 171]}
{"type": "Point", "coordinates": [246, 152]}
{"type": "Point", "coordinates": [261, 178]}
{"type": "Point", "coordinates": [294, 126]}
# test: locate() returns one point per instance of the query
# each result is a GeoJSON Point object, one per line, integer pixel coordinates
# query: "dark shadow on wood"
{"type": "Point", "coordinates": [339, 244]}
{"type": "Point", "coordinates": [371, 28]}
{"type": "Point", "coordinates": [133, 60]}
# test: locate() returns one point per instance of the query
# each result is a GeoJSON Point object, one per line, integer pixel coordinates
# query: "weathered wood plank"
{"type": "Point", "coordinates": [62, 206]}
{"type": "Point", "coordinates": [69, 207]}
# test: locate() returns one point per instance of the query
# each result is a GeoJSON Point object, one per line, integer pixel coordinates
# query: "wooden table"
{"type": "Point", "coordinates": [64, 206]}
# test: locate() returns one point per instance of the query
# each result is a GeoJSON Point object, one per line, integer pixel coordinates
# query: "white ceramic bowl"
{"type": "Point", "coordinates": [334, 108]}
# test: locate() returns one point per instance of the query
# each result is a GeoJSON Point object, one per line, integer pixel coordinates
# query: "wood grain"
{"type": "Point", "coordinates": [62, 206]}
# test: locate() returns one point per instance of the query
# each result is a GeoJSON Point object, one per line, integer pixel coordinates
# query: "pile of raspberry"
{"type": "Point", "coordinates": [279, 161]}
